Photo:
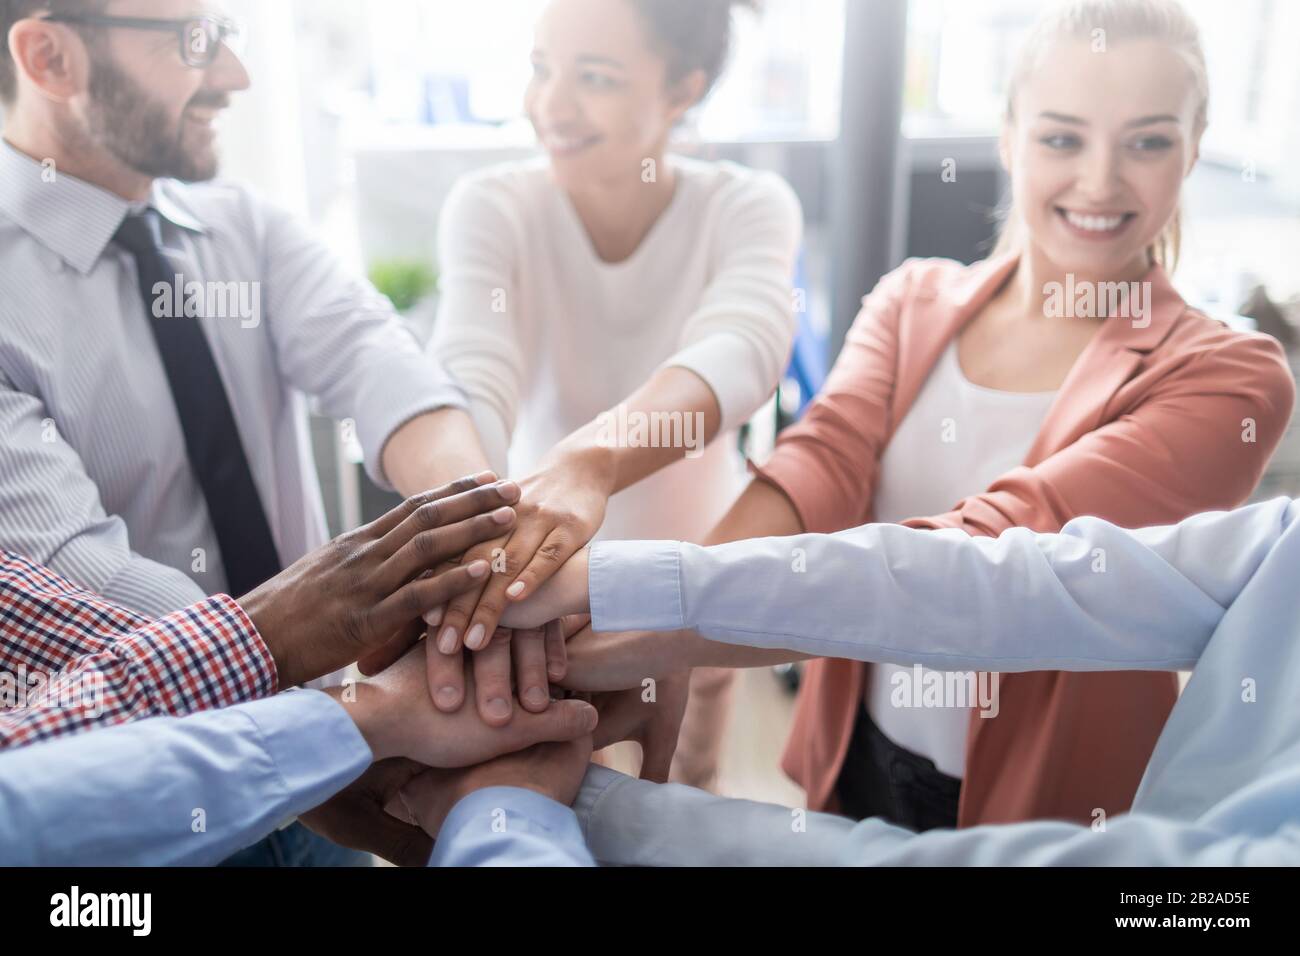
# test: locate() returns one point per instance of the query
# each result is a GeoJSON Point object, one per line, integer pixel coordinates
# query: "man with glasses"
{"type": "Point", "coordinates": [158, 332]}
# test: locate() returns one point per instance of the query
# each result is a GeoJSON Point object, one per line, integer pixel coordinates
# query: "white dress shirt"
{"type": "Point", "coordinates": [94, 478]}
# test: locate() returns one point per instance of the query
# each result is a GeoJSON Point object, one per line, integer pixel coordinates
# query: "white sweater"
{"type": "Point", "coordinates": [544, 335]}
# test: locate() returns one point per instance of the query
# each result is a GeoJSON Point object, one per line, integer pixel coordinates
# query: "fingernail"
{"type": "Point", "coordinates": [448, 697]}
{"type": "Point", "coordinates": [432, 618]}
{"type": "Point", "coordinates": [535, 697]}
{"type": "Point", "coordinates": [503, 515]}
{"type": "Point", "coordinates": [554, 671]}
{"type": "Point", "coordinates": [590, 717]}
{"type": "Point", "coordinates": [478, 569]}
{"type": "Point", "coordinates": [515, 589]}
{"type": "Point", "coordinates": [508, 489]}
{"type": "Point", "coordinates": [474, 639]}
{"type": "Point", "coordinates": [447, 640]}
{"type": "Point", "coordinates": [483, 477]}
{"type": "Point", "coordinates": [498, 707]}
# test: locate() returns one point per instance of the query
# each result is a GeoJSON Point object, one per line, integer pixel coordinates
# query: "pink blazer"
{"type": "Point", "coordinates": [1151, 425]}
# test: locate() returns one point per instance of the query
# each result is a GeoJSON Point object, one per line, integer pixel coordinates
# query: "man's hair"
{"type": "Point", "coordinates": [11, 11]}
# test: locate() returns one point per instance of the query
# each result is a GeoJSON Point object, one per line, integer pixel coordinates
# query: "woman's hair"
{"type": "Point", "coordinates": [692, 34]}
{"type": "Point", "coordinates": [1108, 22]}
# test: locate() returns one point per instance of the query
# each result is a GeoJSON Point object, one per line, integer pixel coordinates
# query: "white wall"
{"type": "Point", "coordinates": [261, 135]}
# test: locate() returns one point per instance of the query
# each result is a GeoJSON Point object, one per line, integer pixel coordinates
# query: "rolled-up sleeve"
{"type": "Point", "coordinates": [828, 463]}
{"type": "Point", "coordinates": [340, 341]}
{"type": "Point", "coordinates": [740, 335]}
{"type": "Point", "coordinates": [478, 332]}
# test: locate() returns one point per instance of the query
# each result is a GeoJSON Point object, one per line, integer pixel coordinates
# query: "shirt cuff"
{"type": "Point", "coordinates": [635, 586]}
{"type": "Point", "coordinates": [203, 657]}
{"type": "Point", "coordinates": [719, 360]}
{"type": "Point", "coordinates": [595, 785]}
{"type": "Point", "coordinates": [410, 386]}
{"type": "Point", "coordinates": [505, 810]}
{"type": "Point", "coordinates": [313, 744]}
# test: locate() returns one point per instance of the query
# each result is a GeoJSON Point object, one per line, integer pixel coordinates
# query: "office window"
{"type": "Point", "coordinates": [429, 63]}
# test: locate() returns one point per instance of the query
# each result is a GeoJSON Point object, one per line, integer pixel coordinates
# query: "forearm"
{"type": "Point", "coordinates": [433, 449]}
{"type": "Point", "coordinates": [1095, 597]}
{"type": "Point", "coordinates": [761, 511]}
{"type": "Point", "coordinates": [629, 822]}
{"type": "Point", "coordinates": [672, 416]}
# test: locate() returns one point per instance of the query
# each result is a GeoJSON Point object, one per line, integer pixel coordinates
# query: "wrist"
{"type": "Point", "coordinates": [591, 460]}
{"type": "Point", "coordinates": [686, 650]}
{"type": "Point", "coordinates": [431, 449]}
{"type": "Point", "coordinates": [577, 593]}
{"type": "Point", "coordinates": [358, 699]}
{"type": "Point", "coordinates": [259, 607]}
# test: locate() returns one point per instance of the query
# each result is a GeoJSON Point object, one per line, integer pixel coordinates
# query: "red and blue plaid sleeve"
{"type": "Point", "coordinates": [70, 662]}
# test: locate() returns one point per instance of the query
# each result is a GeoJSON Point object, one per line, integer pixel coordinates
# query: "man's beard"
{"type": "Point", "coordinates": [123, 120]}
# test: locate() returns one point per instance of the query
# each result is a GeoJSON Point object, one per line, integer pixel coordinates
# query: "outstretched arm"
{"type": "Point", "coordinates": [1094, 597]}
{"type": "Point", "coordinates": [631, 822]}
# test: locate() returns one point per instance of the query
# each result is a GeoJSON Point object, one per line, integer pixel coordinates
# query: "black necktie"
{"type": "Point", "coordinates": [212, 442]}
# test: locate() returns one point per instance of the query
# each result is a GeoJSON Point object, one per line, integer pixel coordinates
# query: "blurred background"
{"type": "Point", "coordinates": [366, 112]}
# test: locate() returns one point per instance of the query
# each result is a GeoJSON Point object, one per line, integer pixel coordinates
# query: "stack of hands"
{"type": "Point", "coordinates": [371, 595]}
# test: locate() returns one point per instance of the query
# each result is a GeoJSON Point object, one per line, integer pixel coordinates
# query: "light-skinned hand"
{"type": "Point", "coordinates": [394, 713]}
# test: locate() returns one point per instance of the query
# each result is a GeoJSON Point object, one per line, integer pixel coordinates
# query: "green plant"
{"type": "Point", "coordinates": [404, 281]}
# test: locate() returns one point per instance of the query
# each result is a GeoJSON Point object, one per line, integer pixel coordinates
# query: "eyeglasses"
{"type": "Point", "coordinates": [200, 37]}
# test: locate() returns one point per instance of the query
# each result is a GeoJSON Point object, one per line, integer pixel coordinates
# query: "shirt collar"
{"type": "Point", "coordinates": [71, 217]}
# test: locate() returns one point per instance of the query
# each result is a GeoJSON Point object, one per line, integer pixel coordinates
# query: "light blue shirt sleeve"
{"type": "Point", "coordinates": [1094, 597]}
{"type": "Point", "coordinates": [633, 822]}
{"type": "Point", "coordinates": [176, 791]}
{"type": "Point", "coordinates": [510, 826]}
{"type": "Point", "coordinates": [1216, 593]}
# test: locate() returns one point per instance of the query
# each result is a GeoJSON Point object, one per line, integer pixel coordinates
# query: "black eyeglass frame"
{"type": "Point", "coordinates": [219, 30]}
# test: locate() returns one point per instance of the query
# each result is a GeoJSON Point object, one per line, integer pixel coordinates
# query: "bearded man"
{"type": "Point", "coordinates": [154, 453]}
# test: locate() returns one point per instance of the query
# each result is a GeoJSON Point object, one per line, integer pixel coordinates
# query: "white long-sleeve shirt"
{"type": "Point", "coordinates": [1216, 593]}
{"type": "Point", "coordinates": [544, 335]}
{"type": "Point", "coordinates": [94, 477]}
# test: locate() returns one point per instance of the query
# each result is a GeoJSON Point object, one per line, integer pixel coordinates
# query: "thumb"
{"type": "Point", "coordinates": [563, 720]}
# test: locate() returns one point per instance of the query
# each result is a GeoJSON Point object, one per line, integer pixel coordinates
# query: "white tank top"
{"type": "Point", "coordinates": [955, 441]}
